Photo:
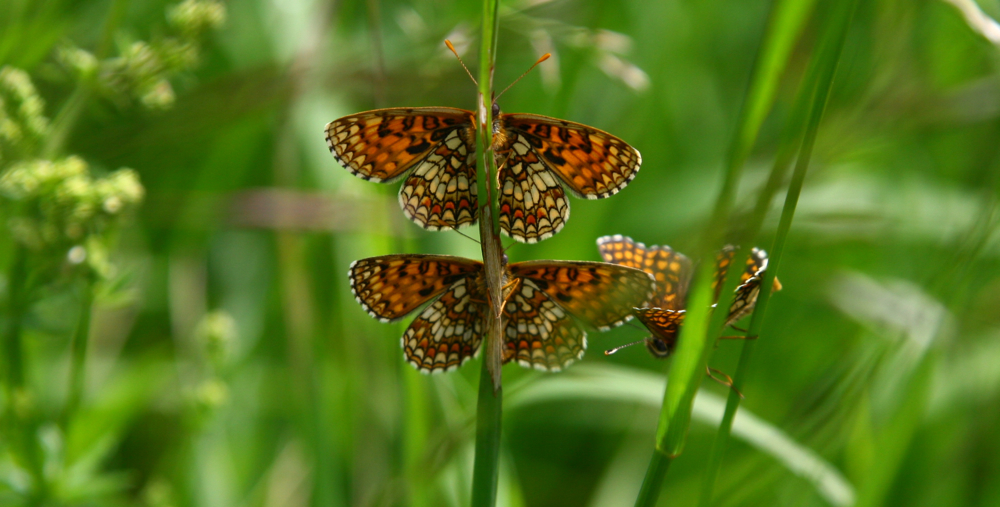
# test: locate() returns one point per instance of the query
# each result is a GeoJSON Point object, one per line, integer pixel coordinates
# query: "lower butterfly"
{"type": "Point", "coordinates": [672, 271]}
{"type": "Point", "coordinates": [548, 306]}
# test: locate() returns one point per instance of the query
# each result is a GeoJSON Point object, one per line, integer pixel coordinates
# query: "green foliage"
{"type": "Point", "coordinates": [224, 362]}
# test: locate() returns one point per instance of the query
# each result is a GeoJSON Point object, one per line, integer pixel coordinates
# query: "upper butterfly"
{"type": "Point", "coordinates": [672, 271]}
{"type": "Point", "coordinates": [434, 148]}
{"type": "Point", "coordinates": [546, 303]}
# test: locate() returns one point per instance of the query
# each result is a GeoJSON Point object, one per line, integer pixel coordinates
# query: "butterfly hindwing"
{"type": "Point", "coordinates": [533, 205]}
{"type": "Point", "coordinates": [539, 333]}
{"type": "Point", "coordinates": [665, 326]}
{"type": "Point", "coordinates": [447, 333]}
{"type": "Point", "coordinates": [591, 162]}
{"type": "Point", "coordinates": [441, 191]}
{"type": "Point", "coordinates": [599, 294]}
{"type": "Point", "coordinates": [392, 286]}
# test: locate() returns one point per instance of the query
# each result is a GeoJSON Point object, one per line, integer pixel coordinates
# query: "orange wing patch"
{"type": "Point", "coordinates": [601, 295]}
{"type": "Point", "coordinates": [447, 333]}
{"type": "Point", "coordinates": [533, 206]}
{"type": "Point", "coordinates": [538, 333]}
{"type": "Point", "coordinates": [592, 163]}
{"type": "Point", "coordinates": [392, 286]}
{"type": "Point", "coordinates": [671, 269]}
{"type": "Point", "coordinates": [665, 326]}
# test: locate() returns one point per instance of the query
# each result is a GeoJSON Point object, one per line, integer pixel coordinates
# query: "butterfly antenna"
{"type": "Point", "coordinates": [540, 60]}
{"type": "Point", "coordinates": [446, 226]}
{"type": "Point", "coordinates": [616, 349]}
{"type": "Point", "coordinates": [452, 48]}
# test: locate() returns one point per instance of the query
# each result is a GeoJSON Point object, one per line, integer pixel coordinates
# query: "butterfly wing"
{"type": "Point", "coordinates": [447, 333]}
{"type": "Point", "coordinates": [392, 286]}
{"type": "Point", "coordinates": [665, 326]}
{"type": "Point", "coordinates": [533, 205]}
{"type": "Point", "coordinates": [746, 294]}
{"type": "Point", "coordinates": [671, 269]}
{"type": "Point", "coordinates": [592, 163]}
{"type": "Point", "coordinates": [599, 294]}
{"type": "Point", "coordinates": [539, 333]}
{"type": "Point", "coordinates": [437, 143]}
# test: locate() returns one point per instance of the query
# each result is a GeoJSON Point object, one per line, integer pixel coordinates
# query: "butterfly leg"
{"type": "Point", "coordinates": [739, 329]}
{"type": "Point", "coordinates": [748, 337]}
{"type": "Point", "coordinates": [726, 380]}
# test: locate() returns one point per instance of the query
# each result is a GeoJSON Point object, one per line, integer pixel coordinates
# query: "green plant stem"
{"type": "Point", "coordinates": [694, 348]}
{"type": "Point", "coordinates": [63, 123]}
{"type": "Point", "coordinates": [486, 469]}
{"type": "Point", "coordinates": [78, 351]}
{"type": "Point", "coordinates": [13, 352]}
{"type": "Point", "coordinates": [659, 463]}
{"type": "Point", "coordinates": [816, 87]}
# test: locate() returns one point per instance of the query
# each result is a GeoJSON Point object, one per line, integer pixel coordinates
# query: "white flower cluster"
{"type": "Point", "coordinates": [22, 114]}
{"type": "Point", "coordinates": [57, 207]}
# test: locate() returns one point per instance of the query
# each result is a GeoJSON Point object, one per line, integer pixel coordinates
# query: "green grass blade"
{"type": "Point", "coordinates": [822, 72]}
{"type": "Point", "coordinates": [689, 362]}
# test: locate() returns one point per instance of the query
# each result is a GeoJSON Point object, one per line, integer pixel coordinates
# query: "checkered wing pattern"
{"type": "Point", "coordinates": [539, 333]}
{"type": "Point", "coordinates": [599, 294]}
{"type": "Point", "coordinates": [671, 269]}
{"type": "Point", "coordinates": [665, 326]}
{"type": "Point", "coordinates": [447, 333]}
{"type": "Point", "coordinates": [533, 205]}
{"type": "Point", "coordinates": [592, 163]}
{"type": "Point", "coordinates": [392, 286]}
{"type": "Point", "coordinates": [436, 143]}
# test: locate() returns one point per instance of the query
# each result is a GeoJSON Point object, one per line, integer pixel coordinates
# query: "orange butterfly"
{"type": "Point", "coordinates": [547, 301]}
{"type": "Point", "coordinates": [434, 149]}
{"type": "Point", "coordinates": [672, 271]}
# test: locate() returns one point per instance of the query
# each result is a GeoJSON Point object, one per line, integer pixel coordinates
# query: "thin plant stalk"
{"type": "Point", "coordinates": [486, 467]}
{"type": "Point", "coordinates": [78, 351]}
{"type": "Point", "coordinates": [817, 87]}
{"type": "Point", "coordinates": [694, 348]}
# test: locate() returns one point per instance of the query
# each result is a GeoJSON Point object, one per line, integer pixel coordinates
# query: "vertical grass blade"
{"type": "Point", "coordinates": [486, 467]}
{"type": "Point", "coordinates": [689, 362]}
{"type": "Point", "coordinates": [815, 89]}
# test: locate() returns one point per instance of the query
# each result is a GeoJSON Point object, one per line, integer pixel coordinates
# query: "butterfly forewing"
{"type": "Point", "coordinates": [533, 205]}
{"type": "Point", "coordinates": [392, 286]}
{"type": "Point", "coordinates": [447, 333]}
{"type": "Point", "coordinates": [671, 269]}
{"type": "Point", "coordinates": [601, 295]}
{"type": "Point", "coordinates": [539, 333]}
{"type": "Point", "coordinates": [591, 162]}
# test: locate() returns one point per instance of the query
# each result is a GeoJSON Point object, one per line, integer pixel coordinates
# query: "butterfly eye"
{"type": "Point", "coordinates": [496, 109]}
{"type": "Point", "coordinates": [505, 259]}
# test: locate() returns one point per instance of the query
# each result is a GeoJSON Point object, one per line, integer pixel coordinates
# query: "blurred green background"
{"type": "Point", "coordinates": [228, 365]}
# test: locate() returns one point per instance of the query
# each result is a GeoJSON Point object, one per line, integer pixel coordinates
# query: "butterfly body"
{"type": "Point", "coordinates": [434, 149]}
{"type": "Point", "coordinates": [673, 271]}
{"type": "Point", "coordinates": [545, 305]}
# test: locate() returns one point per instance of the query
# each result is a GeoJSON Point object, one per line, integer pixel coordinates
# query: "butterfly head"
{"type": "Point", "coordinates": [659, 348]}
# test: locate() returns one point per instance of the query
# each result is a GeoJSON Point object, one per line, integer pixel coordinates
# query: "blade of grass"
{"type": "Point", "coordinates": [486, 466]}
{"type": "Point", "coordinates": [822, 71]}
{"type": "Point", "coordinates": [689, 362]}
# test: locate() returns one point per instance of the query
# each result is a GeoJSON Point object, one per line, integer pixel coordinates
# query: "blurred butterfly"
{"type": "Point", "coordinates": [433, 150]}
{"type": "Point", "coordinates": [547, 305]}
{"type": "Point", "coordinates": [672, 271]}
